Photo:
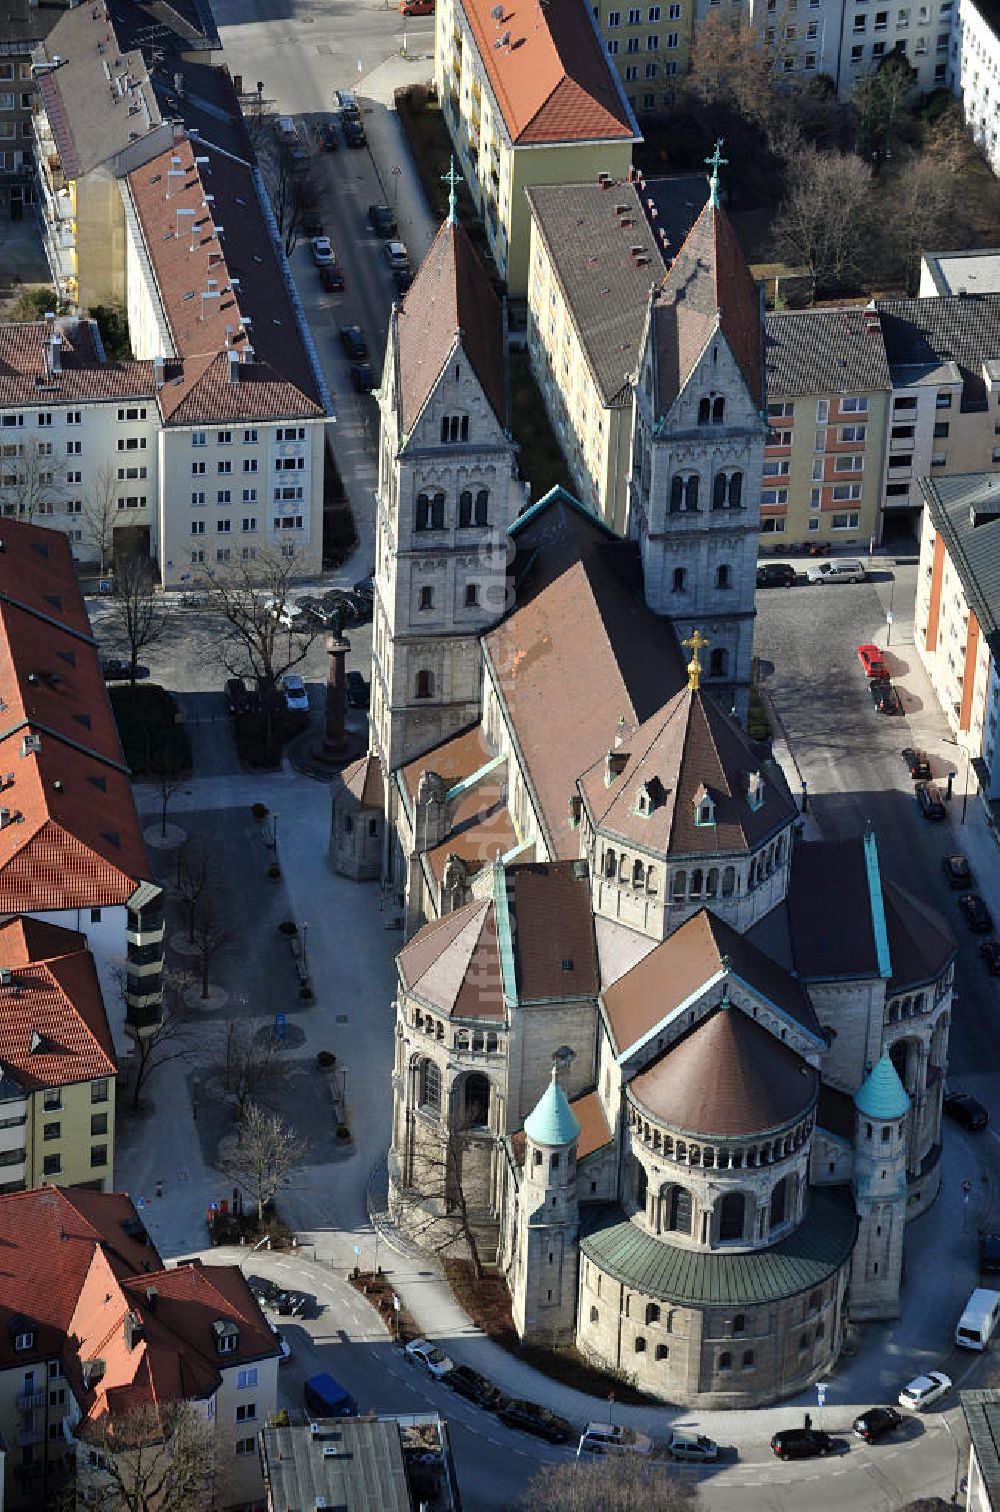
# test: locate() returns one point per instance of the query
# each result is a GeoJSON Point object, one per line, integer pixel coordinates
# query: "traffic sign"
{"type": "Point", "coordinates": [279, 1026]}
{"type": "Point", "coordinates": [821, 1392]}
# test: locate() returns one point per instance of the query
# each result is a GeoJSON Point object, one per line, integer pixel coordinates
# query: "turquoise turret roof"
{"type": "Point", "coordinates": [882, 1094]}
{"type": "Point", "coordinates": [552, 1120]}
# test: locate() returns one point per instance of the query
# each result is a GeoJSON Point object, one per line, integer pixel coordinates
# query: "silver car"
{"type": "Point", "coordinates": [842, 570]}
{"type": "Point", "coordinates": [696, 1448]}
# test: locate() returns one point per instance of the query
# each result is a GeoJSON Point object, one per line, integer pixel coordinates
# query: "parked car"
{"type": "Point", "coordinates": [359, 692]}
{"type": "Point", "coordinates": [334, 600]}
{"type": "Point", "coordinates": [877, 1422]}
{"type": "Point", "coordinates": [924, 1390]}
{"type": "Point", "coordinates": [298, 158]}
{"type": "Point", "coordinates": [286, 130]}
{"type": "Point", "coordinates": [695, 1448]}
{"type": "Point", "coordinates": [535, 1419]}
{"type": "Point", "coordinates": [421, 1352]}
{"type": "Point", "coordinates": [112, 668]}
{"type": "Point", "coordinates": [326, 136]}
{"type": "Point", "coordinates": [290, 1304]}
{"type": "Point", "coordinates": [236, 696]}
{"type": "Point", "coordinates": [325, 1397]}
{"type": "Point", "coordinates": [840, 570]}
{"type": "Point", "coordinates": [396, 255]}
{"type": "Point", "coordinates": [990, 952]}
{"type": "Point", "coordinates": [352, 339]}
{"type": "Point", "coordinates": [474, 1387]}
{"type": "Point", "coordinates": [296, 696]}
{"type": "Point", "coordinates": [322, 251]}
{"type": "Point", "coordinates": [775, 575]}
{"type": "Point", "coordinates": [381, 220]}
{"type": "Point", "coordinates": [885, 697]}
{"type": "Point", "coordinates": [609, 1438]}
{"type": "Point", "coordinates": [402, 278]}
{"type": "Point", "coordinates": [289, 614]}
{"type": "Point", "coordinates": [929, 800]}
{"type": "Point", "coordinates": [989, 1253]}
{"type": "Point", "coordinates": [966, 1110]}
{"type": "Point", "coordinates": [975, 913]}
{"type": "Point", "coordinates": [264, 1290]}
{"type": "Point", "coordinates": [331, 276]}
{"type": "Point", "coordinates": [312, 223]}
{"type": "Point", "coordinates": [365, 587]}
{"type": "Point", "coordinates": [417, 7]}
{"type": "Point", "coordinates": [801, 1443]}
{"type": "Point", "coordinates": [362, 377]}
{"type": "Point", "coordinates": [873, 661]}
{"type": "Point", "coordinates": [347, 104]}
{"type": "Point", "coordinates": [354, 132]}
{"type": "Point", "coordinates": [916, 762]}
{"type": "Point", "coordinates": [958, 871]}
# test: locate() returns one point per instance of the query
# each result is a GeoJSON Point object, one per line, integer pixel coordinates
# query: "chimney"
{"type": "Point", "coordinates": [152, 1297]}
{"type": "Point", "coordinates": [234, 366]}
{"type": "Point", "coordinates": [158, 366]}
{"type": "Point", "coordinates": [133, 1330]}
{"type": "Point", "coordinates": [179, 84]}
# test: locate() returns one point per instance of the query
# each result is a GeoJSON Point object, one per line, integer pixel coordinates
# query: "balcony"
{"type": "Point", "coordinates": [27, 1400]}
{"type": "Point", "coordinates": [25, 1436]}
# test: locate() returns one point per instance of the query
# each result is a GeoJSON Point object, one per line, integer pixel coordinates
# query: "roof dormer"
{"type": "Point", "coordinates": [648, 797]}
{"type": "Point", "coordinates": [704, 807]}
{"type": "Point", "coordinates": [755, 790]}
{"type": "Point", "coordinates": [227, 1336]}
{"type": "Point", "coordinates": [615, 763]}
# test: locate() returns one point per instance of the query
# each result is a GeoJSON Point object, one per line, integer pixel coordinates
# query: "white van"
{"type": "Point", "coordinates": [976, 1325]}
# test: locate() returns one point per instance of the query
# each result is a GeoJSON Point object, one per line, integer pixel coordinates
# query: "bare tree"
{"type": "Point", "coordinates": [920, 211]}
{"type": "Point", "coordinates": [195, 876]}
{"type": "Point", "coordinates": [436, 1206]}
{"type": "Point", "coordinates": [100, 510]}
{"type": "Point", "coordinates": [289, 196]}
{"type": "Point", "coordinates": [155, 1458]}
{"type": "Point", "coordinates": [137, 610]}
{"type": "Point", "coordinates": [210, 934]}
{"type": "Point", "coordinates": [622, 1483]}
{"type": "Point", "coordinates": [249, 1061]}
{"type": "Point", "coordinates": [821, 220]}
{"type": "Point", "coordinates": [250, 597]}
{"type": "Point", "coordinates": [878, 99]}
{"type": "Point", "coordinates": [256, 118]}
{"type": "Point", "coordinates": [733, 65]}
{"type": "Point", "coordinates": [168, 777]}
{"type": "Point", "coordinates": [164, 1042]}
{"type": "Point", "coordinates": [32, 482]}
{"type": "Point", "coordinates": [265, 1156]}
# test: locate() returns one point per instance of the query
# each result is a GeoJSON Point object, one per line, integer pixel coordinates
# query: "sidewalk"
{"type": "Point", "coordinates": [390, 150]}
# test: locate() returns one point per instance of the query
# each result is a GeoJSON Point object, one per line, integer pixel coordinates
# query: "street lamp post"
{"type": "Point", "coordinates": [305, 958]}
{"type": "Point", "coordinates": [965, 791]}
{"type": "Point", "coordinates": [274, 834]}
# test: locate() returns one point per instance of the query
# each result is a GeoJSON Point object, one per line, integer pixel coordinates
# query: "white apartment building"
{"type": "Point", "coordinates": [872, 30]}
{"type": "Point", "coordinates": [974, 68]}
{"type": "Point", "coordinates": [807, 33]}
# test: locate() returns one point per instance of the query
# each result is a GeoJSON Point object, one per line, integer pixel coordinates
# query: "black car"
{"type": "Point", "coordinates": [877, 1422]}
{"type": "Point", "coordinates": [298, 159]}
{"type": "Point", "coordinates": [365, 587]}
{"type": "Point", "coordinates": [290, 1304]}
{"type": "Point", "coordinates": [362, 377]}
{"type": "Point", "coordinates": [236, 696]}
{"type": "Point", "coordinates": [382, 220]}
{"type": "Point", "coordinates": [975, 913]}
{"type": "Point", "coordinates": [916, 763]}
{"type": "Point", "coordinates": [264, 1290]}
{"type": "Point", "coordinates": [990, 952]}
{"type": "Point", "coordinates": [312, 223]}
{"type": "Point", "coordinates": [929, 800]}
{"type": "Point", "coordinates": [957, 870]}
{"type": "Point", "coordinates": [337, 600]}
{"type": "Point", "coordinates": [966, 1110]}
{"type": "Point", "coordinates": [359, 693]}
{"type": "Point", "coordinates": [776, 575]}
{"type": "Point", "coordinates": [402, 278]}
{"type": "Point", "coordinates": [534, 1419]}
{"type": "Point", "coordinates": [801, 1443]}
{"type": "Point", "coordinates": [475, 1388]}
{"type": "Point", "coordinates": [112, 668]}
{"type": "Point", "coordinates": [989, 1253]}
{"type": "Point", "coordinates": [354, 132]}
{"type": "Point", "coordinates": [885, 697]}
{"type": "Point", "coordinates": [331, 276]}
{"type": "Point", "coordinates": [352, 339]}
{"type": "Point", "coordinates": [327, 137]}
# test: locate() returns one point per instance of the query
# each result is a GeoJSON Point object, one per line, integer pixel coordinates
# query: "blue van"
{"type": "Point", "coordinates": [325, 1398]}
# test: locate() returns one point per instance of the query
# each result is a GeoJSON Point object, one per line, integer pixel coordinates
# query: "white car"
{"type": "Point", "coordinates": [924, 1390]}
{"type": "Point", "coordinates": [430, 1357]}
{"type": "Point", "coordinates": [396, 255]}
{"type": "Point", "coordinates": [296, 696]}
{"type": "Point", "coordinates": [322, 251]}
{"type": "Point", "coordinates": [609, 1438]}
{"type": "Point", "coordinates": [694, 1447]}
{"type": "Point", "coordinates": [289, 614]}
{"type": "Point", "coordinates": [840, 570]}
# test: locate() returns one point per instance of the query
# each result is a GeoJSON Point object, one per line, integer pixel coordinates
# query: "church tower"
{"type": "Point", "coordinates": [880, 1144]}
{"type": "Point", "coordinates": [544, 1279]}
{"type": "Point", "coordinates": [698, 447]}
{"type": "Point", "coordinates": [447, 491]}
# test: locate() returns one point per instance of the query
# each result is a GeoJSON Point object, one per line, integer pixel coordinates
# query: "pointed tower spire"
{"type": "Point", "coordinates": [715, 162]}
{"type": "Point", "coordinates": [452, 179]}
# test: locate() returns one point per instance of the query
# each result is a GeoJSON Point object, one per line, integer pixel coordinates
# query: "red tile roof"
{"type": "Point", "coordinates": [53, 1026]}
{"type": "Point", "coordinates": [554, 81]}
{"type": "Point", "coordinates": [84, 375]}
{"type": "Point", "coordinates": [453, 963]}
{"type": "Point", "coordinates": [450, 300]}
{"type": "Point", "coordinates": [194, 266]}
{"type": "Point", "coordinates": [708, 283]}
{"type": "Point", "coordinates": [363, 781]}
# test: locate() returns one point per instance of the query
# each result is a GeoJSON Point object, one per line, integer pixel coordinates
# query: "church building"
{"type": "Point", "coordinates": [676, 1068]}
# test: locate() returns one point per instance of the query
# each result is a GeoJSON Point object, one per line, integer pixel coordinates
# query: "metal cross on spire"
{"type": "Point", "coordinates": [715, 162]}
{"type": "Point", "coordinates": [452, 179]}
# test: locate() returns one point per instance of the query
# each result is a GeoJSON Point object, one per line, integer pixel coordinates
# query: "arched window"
{"type": "Point", "coordinates": [739, 1324]}
{"type": "Point", "coordinates": [423, 520]}
{"type": "Point", "coordinates": [691, 493]}
{"type": "Point", "coordinates": [697, 882]}
{"type": "Point", "coordinates": [465, 507]}
{"type": "Point", "coordinates": [465, 427]}
{"type": "Point", "coordinates": [640, 1184]}
{"type": "Point", "coordinates": [430, 1086]}
{"type": "Point", "coordinates": [680, 575]}
{"type": "Point", "coordinates": [725, 1360]}
{"type": "Point", "coordinates": [678, 1210]}
{"type": "Point", "coordinates": [724, 576]}
{"type": "Point", "coordinates": [735, 490]}
{"type": "Point", "coordinates": [748, 1359]}
{"type": "Point", "coordinates": [712, 882]}
{"type": "Point", "coordinates": [609, 863]}
{"type": "Point", "coordinates": [640, 1345]}
{"type": "Point", "coordinates": [425, 684]}
{"type": "Point", "coordinates": [728, 881]}
{"type": "Point", "coordinates": [427, 598]}
{"type": "Point", "coordinates": [472, 595]}
{"type": "Point", "coordinates": [704, 411]}
{"type": "Point", "coordinates": [779, 1203]}
{"type": "Point", "coordinates": [718, 662]}
{"type": "Point", "coordinates": [652, 1313]}
{"type": "Point", "coordinates": [594, 1315]}
{"type": "Point", "coordinates": [483, 506]}
{"type": "Point", "coordinates": [663, 1352]}
{"type": "Point", "coordinates": [638, 874]}
{"type": "Point", "coordinates": [718, 411]}
{"type": "Point", "coordinates": [731, 1214]}
{"type": "Point", "coordinates": [445, 428]}
{"type": "Point", "coordinates": [476, 1101]}
{"type": "Point", "coordinates": [719, 491]}
{"type": "Point", "coordinates": [437, 511]}
{"type": "Point", "coordinates": [676, 494]}
{"type": "Point", "coordinates": [679, 886]}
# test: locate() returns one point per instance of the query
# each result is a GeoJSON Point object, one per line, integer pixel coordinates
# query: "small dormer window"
{"type": "Point", "coordinates": [755, 791]}
{"type": "Point", "coordinates": [24, 1340]}
{"type": "Point", "coordinates": [704, 808]}
{"type": "Point", "coordinates": [227, 1336]}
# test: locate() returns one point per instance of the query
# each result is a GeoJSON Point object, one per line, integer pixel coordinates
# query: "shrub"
{"type": "Point", "coordinates": [288, 927]}
{"type": "Point", "coordinates": [325, 1060]}
{"type": "Point", "coordinates": [274, 871]}
{"type": "Point", "coordinates": [33, 304]}
{"type": "Point", "coordinates": [279, 1419]}
{"type": "Point", "coordinates": [259, 810]}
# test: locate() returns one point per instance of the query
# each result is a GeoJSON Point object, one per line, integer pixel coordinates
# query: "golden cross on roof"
{"type": "Point", "coordinates": [697, 641]}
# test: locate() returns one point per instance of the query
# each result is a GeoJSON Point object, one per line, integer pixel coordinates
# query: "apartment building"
{"type": "Point", "coordinates": [805, 34]}
{"type": "Point", "coordinates": [957, 618]}
{"type": "Point", "coordinates": [828, 400]}
{"type": "Point", "coordinates": [944, 362]}
{"type": "Point", "coordinates": [974, 71]}
{"type": "Point", "coordinates": [920, 29]}
{"type": "Point", "coordinates": [530, 97]}
{"type": "Point", "coordinates": [586, 314]}
{"type": "Point", "coordinates": [650, 45]}
{"type": "Point", "coordinates": [71, 848]}
{"type": "Point", "coordinates": [57, 1091]}
{"type": "Point", "coordinates": [97, 1328]}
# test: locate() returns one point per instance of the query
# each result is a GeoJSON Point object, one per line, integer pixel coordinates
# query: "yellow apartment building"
{"type": "Point", "coordinates": [650, 45]}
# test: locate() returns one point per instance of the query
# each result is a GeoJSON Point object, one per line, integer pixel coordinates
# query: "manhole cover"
{"type": "Point", "coordinates": [341, 1018]}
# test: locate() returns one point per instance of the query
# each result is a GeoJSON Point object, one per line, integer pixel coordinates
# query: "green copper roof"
{"type": "Point", "coordinates": [817, 1249]}
{"type": "Point", "coordinates": [882, 1094]}
{"type": "Point", "coordinates": [552, 1120]}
